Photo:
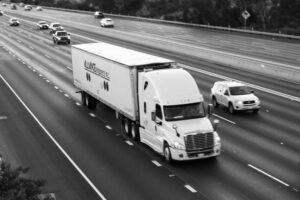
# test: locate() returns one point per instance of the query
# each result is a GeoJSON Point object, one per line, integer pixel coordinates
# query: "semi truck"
{"type": "Point", "coordinates": [158, 103]}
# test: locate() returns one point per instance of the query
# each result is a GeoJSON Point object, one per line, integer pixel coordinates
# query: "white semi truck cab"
{"type": "Point", "coordinates": [158, 103]}
{"type": "Point", "coordinates": [173, 118]}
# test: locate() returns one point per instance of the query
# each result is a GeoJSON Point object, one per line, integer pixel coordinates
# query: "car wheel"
{"type": "Point", "coordinates": [135, 132]}
{"type": "Point", "coordinates": [255, 110]}
{"type": "Point", "coordinates": [214, 101]}
{"type": "Point", "coordinates": [231, 108]}
{"type": "Point", "coordinates": [127, 126]}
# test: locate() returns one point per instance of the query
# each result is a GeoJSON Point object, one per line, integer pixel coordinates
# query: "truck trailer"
{"type": "Point", "coordinates": [158, 103]}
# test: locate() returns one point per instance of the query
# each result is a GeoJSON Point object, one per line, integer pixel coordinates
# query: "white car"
{"type": "Point", "coordinates": [27, 8]}
{"type": "Point", "coordinates": [98, 14]}
{"type": "Point", "coordinates": [39, 8]}
{"type": "Point", "coordinates": [55, 26]}
{"type": "Point", "coordinates": [14, 22]}
{"type": "Point", "coordinates": [106, 22]}
{"type": "Point", "coordinates": [42, 25]}
{"type": "Point", "coordinates": [235, 96]}
{"type": "Point", "coordinates": [1, 13]}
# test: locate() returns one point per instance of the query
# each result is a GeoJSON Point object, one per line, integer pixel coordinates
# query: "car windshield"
{"type": "Point", "coordinates": [42, 22]}
{"type": "Point", "coordinates": [184, 112]}
{"type": "Point", "coordinates": [239, 90]}
{"type": "Point", "coordinates": [56, 25]}
{"type": "Point", "coordinates": [62, 34]}
{"type": "Point", "coordinates": [14, 20]}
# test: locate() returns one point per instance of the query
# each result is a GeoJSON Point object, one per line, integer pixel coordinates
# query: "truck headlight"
{"type": "Point", "coordinates": [217, 139]}
{"type": "Point", "coordinates": [177, 145]}
{"type": "Point", "coordinates": [59, 38]}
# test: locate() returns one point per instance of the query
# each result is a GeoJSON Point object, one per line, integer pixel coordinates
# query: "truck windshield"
{"type": "Point", "coordinates": [183, 112]}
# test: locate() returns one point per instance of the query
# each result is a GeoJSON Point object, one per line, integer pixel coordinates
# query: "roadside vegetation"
{"type": "Point", "coordinates": [280, 16]}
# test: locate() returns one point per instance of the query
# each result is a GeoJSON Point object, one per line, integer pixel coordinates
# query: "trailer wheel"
{"type": "Point", "coordinates": [90, 102]}
{"type": "Point", "coordinates": [135, 131]}
{"type": "Point", "coordinates": [83, 102]}
{"type": "Point", "coordinates": [127, 126]}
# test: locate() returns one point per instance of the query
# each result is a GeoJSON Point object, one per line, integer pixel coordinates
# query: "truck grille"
{"type": "Point", "coordinates": [249, 102]}
{"type": "Point", "coordinates": [200, 141]}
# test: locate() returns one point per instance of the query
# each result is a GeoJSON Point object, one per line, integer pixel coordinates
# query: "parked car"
{"type": "Point", "coordinates": [106, 22]}
{"type": "Point", "coordinates": [14, 22]}
{"type": "Point", "coordinates": [4, 4]}
{"type": "Point", "coordinates": [1, 13]}
{"type": "Point", "coordinates": [235, 96]}
{"type": "Point", "coordinates": [42, 25]}
{"type": "Point", "coordinates": [98, 14]}
{"type": "Point", "coordinates": [55, 26]}
{"type": "Point", "coordinates": [61, 37]}
{"type": "Point", "coordinates": [39, 8]}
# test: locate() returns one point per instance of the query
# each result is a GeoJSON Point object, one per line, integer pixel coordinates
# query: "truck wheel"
{"type": "Point", "coordinates": [90, 102]}
{"type": "Point", "coordinates": [135, 131]}
{"type": "Point", "coordinates": [167, 153]}
{"type": "Point", "coordinates": [127, 126]}
{"type": "Point", "coordinates": [231, 108]}
{"type": "Point", "coordinates": [214, 101]}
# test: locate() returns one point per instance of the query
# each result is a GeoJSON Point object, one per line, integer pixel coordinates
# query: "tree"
{"type": "Point", "coordinates": [15, 186]}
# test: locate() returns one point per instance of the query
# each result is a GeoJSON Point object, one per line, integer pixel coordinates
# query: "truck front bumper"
{"type": "Point", "coordinates": [182, 155]}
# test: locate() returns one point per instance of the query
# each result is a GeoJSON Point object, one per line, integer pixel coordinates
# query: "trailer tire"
{"type": "Point", "coordinates": [135, 132]}
{"type": "Point", "coordinates": [127, 126]}
{"type": "Point", "coordinates": [83, 102]}
{"type": "Point", "coordinates": [90, 102]}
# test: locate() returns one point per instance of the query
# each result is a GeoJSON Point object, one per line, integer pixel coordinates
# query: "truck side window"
{"type": "Point", "coordinates": [158, 111]}
{"type": "Point", "coordinates": [145, 107]}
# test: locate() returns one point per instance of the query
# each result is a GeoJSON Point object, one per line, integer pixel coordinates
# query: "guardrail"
{"type": "Point", "coordinates": [276, 35]}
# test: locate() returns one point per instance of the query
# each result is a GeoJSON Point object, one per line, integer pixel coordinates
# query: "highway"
{"type": "Point", "coordinates": [260, 152]}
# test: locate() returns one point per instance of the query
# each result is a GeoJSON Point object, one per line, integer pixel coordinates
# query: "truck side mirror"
{"type": "Point", "coordinates": [210, 109]}
{"type": "Point", "coordinates": [158, 121]}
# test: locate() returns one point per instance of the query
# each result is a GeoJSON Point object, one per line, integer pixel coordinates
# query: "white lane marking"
{"type": "Point", "coordinates": [223, 118]}
{"type": "Point", "coordinates": [190, 188]}
{"type": "Point", "coordinates": [24, 62]}
{"type": "Point", "coordinates": [57, 144]}
{"type": "Point", "coordinates": [108, 127]}
{"type": "Point", "coordinates": [287, 96]}
{"type": "Point", "coordinates": [56, 87]}
{"type": "Point", "coordinates": [40, 75]}
{"type": "Point", "coordinates": [66, 95]}
{"type": "Point", "coordinates": [78, 104]}
{"type": "Point", "coordinates": [92, 114]}
{"type": "Point", "coordinates": [156, 163]}
{"type": "Point", "coordinates": [3, 117]}
{"type": "Point", "coordinates": [129, 143]}
{"type": "Point", "coordinates": [47, 81]}
{"type": "Point", "coordinates": [33, 70]}
{"type": "Point", "coordinates": [70, 68]}
{"type": "Point", "coordinates": [268, 175]}
{"type": "Point", "coordinates": [47, 56]}
{"type": "Point", "coordinates": [295, 189]}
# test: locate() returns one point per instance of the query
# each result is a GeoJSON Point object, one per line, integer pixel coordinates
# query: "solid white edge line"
{"type": "Point", "coordinates": [268, 175]}
{"type": "Point", "coordinates": [224, 118]}
{"type": "Point", "coordinates": [190, 188]}
{"type": "Point", "coordinates": [92, 114]}
{"type": "Point", "coordinates": [56, 143]}
{"type": "Point", "coordinates": [108, 127]}
{"type": "Point", "coordinates": [156, 163]}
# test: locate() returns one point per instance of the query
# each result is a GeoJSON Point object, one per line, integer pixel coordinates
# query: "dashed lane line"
{"type": "Point", "coordinates": [268, 175]}
{"type": "Point", "coordinates": [190, 188]}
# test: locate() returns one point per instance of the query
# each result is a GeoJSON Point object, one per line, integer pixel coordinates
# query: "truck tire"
{"type": "Point", "coordinates": [135, 132]}
{"type": "Point", "coordinates": [167, 153]}
{"type": "Point", "coordinates": [127, 126]}
{"type": "Point", "coordinates": [90, 102]}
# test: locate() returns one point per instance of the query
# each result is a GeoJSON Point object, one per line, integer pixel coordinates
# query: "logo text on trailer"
{"type": "Point", "coordinates": [91, 67]}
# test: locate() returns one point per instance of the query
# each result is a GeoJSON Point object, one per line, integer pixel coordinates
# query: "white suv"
{"type": "Point", "coordinates": [235, 96]}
